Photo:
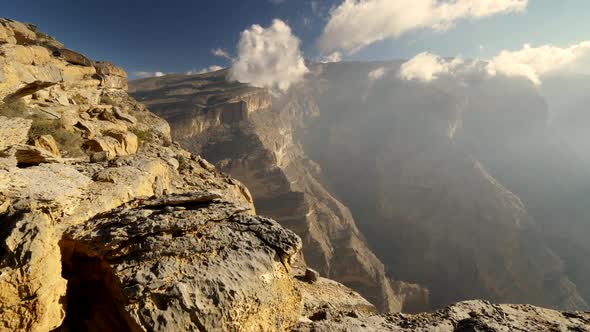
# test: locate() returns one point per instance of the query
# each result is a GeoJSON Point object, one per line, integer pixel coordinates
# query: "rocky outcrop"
{"type": "Point", "coordinates": [261, 148]}
{"type": "Point", "coordinates": [173, 263]}
{"type": "Point", "coordinates": [16, 32]}
{"type": "Point", "coordinates": [461, 317]}
{"type": "Point", "coordinates": [329, 306]}
{"type": "Point", "coordinates": [77, 95]}
{"type": "Point", "coordinates": [210, 105]}
{"type": "Point", "coordinates": [113, 143]}
{"type": "Point", "coordinates": [73, 57]}
{"type": "Point", "coordinates": [28, 155]}
{"type": "Point", "coordinates": [150, 238]}
{"type": "Point", "coordinates": [30, 298]}
{"type": "Point", "coordinates": [47, 142]}
{"type": "Point", "coordinates": [111, 76]}
{"type": "Point", "coordinates": [66, 197]}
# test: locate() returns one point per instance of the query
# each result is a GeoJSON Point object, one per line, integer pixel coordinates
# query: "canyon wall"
{"type": "Point", "coordinates": [450, 182]}
{"type": "Point", "coordinates": [453, 181]}
{"type": "Point", "coordinates": [263, 150]}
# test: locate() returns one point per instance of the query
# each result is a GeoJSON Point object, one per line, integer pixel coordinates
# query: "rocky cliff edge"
{"type": "Point", "coordinates": [108, 225]}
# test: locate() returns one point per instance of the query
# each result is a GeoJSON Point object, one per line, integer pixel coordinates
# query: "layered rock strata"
{"type": "Point", "coordinates": [149, 237]}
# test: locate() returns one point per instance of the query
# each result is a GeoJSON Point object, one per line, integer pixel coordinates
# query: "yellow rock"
{"type": "Point", "coordinates": [30, 295]}
{"type": "Point", "coordinates": [47, 143]}
{"type": "Point", "coordinates": [31, 55]}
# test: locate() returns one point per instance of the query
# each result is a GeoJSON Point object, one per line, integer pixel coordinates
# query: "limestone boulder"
{"type": "Point", "coordinates": [49, 144]}
{"type": "Point", "coordinates": [73, 57]}
{"type": "Point", "coordinates": [13, 131]}
{"type": "Point", "coordinates": [114, 143]}
{"type": "Point", "coordinates": [55, 186]}
{"type": "Point", "coordinates": [4, 204]}
{"type": "Point", "coordinates": [31, 285]}
{"type": "Point", "coordinates": [111, 76]}
{"type": "Point", "coordinates": [186, 262]}
{"type": "Point", "coordinates": [121, 115]}
{"type": "Point", "coordinates": [146, 120]}
{"type": "Point", "coordinates": [28, 155]}
{"type": "Point", "coordinates": [26, 70]}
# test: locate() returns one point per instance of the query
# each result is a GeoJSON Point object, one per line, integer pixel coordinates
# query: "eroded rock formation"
{"type": "Point", "coordinates": [149, 237]}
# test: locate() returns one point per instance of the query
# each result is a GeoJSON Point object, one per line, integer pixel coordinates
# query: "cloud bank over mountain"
{"type": "Point", "coordinates": [531, 63]}
{"type": "Point", "coordinates": [534, 62]}
{"type": "Point", "coordinates": [355, 24]}
{"type": "Point", "coordinates": [426, 67]}
{"type": "Point", "coordinates": [269, 57]}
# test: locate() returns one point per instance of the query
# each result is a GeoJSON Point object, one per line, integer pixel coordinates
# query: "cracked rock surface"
{"type": "Point", "coordinates": [188, 262]}
{"type": "Point", "coordinates": [469, 316]}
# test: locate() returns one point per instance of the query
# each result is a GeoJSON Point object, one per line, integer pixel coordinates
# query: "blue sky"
{"type": "Point", "coordinates": [178, 35]}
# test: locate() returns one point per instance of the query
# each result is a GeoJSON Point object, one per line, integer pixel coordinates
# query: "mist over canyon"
{"type": "Point", "coordinates": [463, 187]}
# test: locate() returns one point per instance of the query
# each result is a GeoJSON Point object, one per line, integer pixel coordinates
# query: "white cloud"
{"type": "Point", "coordinates": [145, 74]}
{"type": "Point", "coordinates": [427, 67]}
{"type": "Point", "coordinates": [534, 62]}
{"type": "Point", "coordinates": [332, 57]}
{"type": "Point", "coordinates": [377, 74]}
{"type": "Point", "coordinates": [221, 53]}
{"type": "Point", "coordinates": [529, 62]}
{"type": "Point", "coordinates": [204, 70]}
{"type": "Point", "coordinates": [356, 24]}
{"type": "Point", "coordinates": [269, 57]}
